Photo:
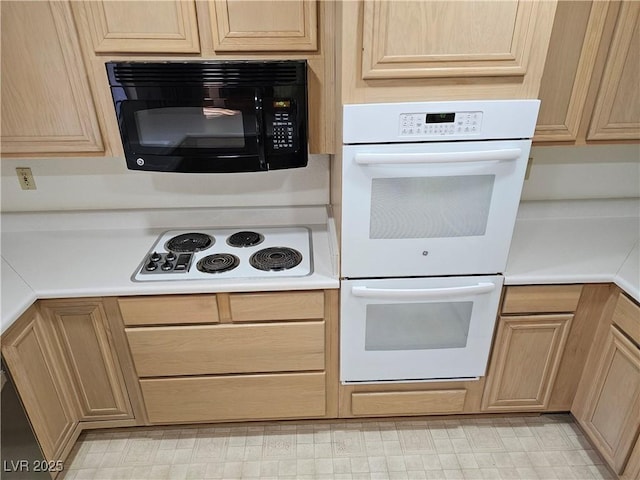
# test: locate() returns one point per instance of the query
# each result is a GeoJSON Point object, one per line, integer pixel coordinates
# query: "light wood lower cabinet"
{"type": "Point", "coordinates": [525, 361]}
{"type": "Point", "coordinates": [38, 374]}
{"type": "Point", "coordinates": [607, 404]}
{"type": "Point", "coordinates": [403, 399]}
{"type": "Point", "coordinates": [237, 397]}
{"type": "Point", "coordinates": [82, 331]}
{"type": "Point", "coordinates": [259, 356]}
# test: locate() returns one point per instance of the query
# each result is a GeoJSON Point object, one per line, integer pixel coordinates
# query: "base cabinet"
{"type": "Point", "coordinates": [607, 404]}
{"type": "Point", "coordinates": [525, 362]}
{"type": "Point", "coordinates": [38, 374]}
{"type": "Point", "coordinates": [532, 333]}
{"type": "Point", "coordinates": [237, 356]}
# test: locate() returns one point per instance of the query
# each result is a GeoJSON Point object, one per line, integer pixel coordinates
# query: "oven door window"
{"type": "Point", "coordinates": [430, 207]}
{"type": "Point", "coordinates": [417, 326]}
{"type": "Point", "coordinates": [177, 122]}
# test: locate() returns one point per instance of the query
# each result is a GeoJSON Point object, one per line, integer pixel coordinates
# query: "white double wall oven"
{"type": "Point", "coordinates": [430, 196]}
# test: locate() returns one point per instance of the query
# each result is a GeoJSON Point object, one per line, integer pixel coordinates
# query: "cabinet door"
{"type": "Point", "coordinates": [46, 101]}
{"type": "Point", "coordinates": [616, 115]}
{"type": "Point", "coordinates": [277, 25]}
{"type": "Point", "coordinates": [568, 69]}
{"type": "Point", "coordinates": [142, 26]}
{"type": "Point", "coordinates": [81, 327]}
{"type": "Point", "coordinates": [525, 362]}
{"type": "Point", "coordinates": [612, 412]}
{"type": "Point", "coordinates": [405, 39]}
{"type": "Point", "coordinates": [38, 376]}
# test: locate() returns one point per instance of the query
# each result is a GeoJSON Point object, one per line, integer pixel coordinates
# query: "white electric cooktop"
{"type": "Point", "coordinates": [206, 254]}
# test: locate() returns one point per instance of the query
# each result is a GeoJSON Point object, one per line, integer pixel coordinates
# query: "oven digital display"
{"type": "Point", "coordinates": [440, 117]}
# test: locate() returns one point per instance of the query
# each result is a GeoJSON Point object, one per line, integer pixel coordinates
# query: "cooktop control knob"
{"type": "Point", "coordinates": [151, 266]}
{"type": "Point", "coordinates": [166, 266]}
{"type": "Point", "coordinates": [170, 256]}
{"type": "Point", "coordinates": [155, 256]}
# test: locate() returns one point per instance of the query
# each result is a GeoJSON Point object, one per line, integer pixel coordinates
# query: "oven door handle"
{"type": "Point", "coordinates": [501, 155]}
{"type": "Point", "coordinates": [422, 293]}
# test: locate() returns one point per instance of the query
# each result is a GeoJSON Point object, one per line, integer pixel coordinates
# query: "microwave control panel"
{"type": "Point", "coordinates": [440, 124]}
{"type": "Point", "coordinates": [283, 126]}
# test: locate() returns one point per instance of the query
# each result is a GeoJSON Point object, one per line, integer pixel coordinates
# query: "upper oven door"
{"type": "Point", "coordinates": [430, 208]}
{"type": "Point", "coordinates": [190, 128]}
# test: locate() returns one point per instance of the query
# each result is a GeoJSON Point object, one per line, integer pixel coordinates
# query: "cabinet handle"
{"type": "Point", "coordinates": [440, 157]}
{"type": "Point", "coordinates": [423, 293]}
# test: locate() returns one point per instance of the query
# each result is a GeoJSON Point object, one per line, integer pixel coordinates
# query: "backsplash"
{"type": "Point", "coordinates": [105, 183]}
{"type": "Point", "coordinates": [557, 173]}
{"type": "Point", "coordinates": [594, 171]}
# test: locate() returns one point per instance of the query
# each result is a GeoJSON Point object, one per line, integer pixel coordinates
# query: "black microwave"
{"type": "Point", "coordinates": [211, 116]}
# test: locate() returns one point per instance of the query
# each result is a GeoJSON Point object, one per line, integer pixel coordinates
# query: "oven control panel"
{"type": "Point", "coordinates": [440, 124]}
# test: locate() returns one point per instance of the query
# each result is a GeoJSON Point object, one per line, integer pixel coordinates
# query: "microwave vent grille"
{"type": "Point", "coordinates": [208, 73]}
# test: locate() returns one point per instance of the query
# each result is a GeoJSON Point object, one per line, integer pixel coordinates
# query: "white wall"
{"type": "Point", "coordinates": [567, 173]}
{"type": "Point", "coordinates": [557, 172]}
{"type": "Point", "coordinates": [105, 183]}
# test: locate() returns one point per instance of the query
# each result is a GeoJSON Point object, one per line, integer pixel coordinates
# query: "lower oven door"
{"type": "Point", "coordinates": [413, 329]}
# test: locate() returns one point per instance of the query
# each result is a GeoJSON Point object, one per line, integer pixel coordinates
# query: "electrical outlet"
{"type": "Point", "coordinates": [25, 177]}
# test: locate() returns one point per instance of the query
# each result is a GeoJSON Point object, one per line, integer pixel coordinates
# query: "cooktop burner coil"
{"type": "Point", "coordinates": [245, 239]}
{"type": "Point", "coordinates": [275, 258]}
{"type": "Point", "coordinates": [190, 242]}
{"type": "Point", "coordinates": [218, 263]}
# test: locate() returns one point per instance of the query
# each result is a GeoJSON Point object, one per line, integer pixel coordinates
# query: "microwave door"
{"type": "Point", "coordinates": [177, 131]}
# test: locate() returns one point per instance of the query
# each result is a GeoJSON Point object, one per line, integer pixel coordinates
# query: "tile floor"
{"type": "Point", "coordinates": [519, 447]}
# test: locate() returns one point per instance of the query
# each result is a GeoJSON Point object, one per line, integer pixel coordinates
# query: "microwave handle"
{"type": "Point", "coordinates": [422, 293]}
{"type": "Point", "coordinates": [259, 128]}
{"type": "Point", "coordinates": [504, 154]}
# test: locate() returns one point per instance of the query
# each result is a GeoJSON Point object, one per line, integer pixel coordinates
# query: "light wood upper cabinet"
{"type": "Point", "coordinates": [446, 39]}
{"type": "Point", "coordinates": [47, 106]}
{"type": "Point", "coordinates": [570, 63]}
{"type": "Point", "coordinates": [277, 25]}
{"type": "Point", "coordinates": [141, 26]}
{"type": "Point", "coordinates": [617, 110]}
{"type": "Point", "coordinates": [437, 50]}
{"type": "Point", "coordinates": [589, 88]}
{"type": "Point", "coordinates": [82, 331]}
{"type": "Point", "coordinates": [38, 375]}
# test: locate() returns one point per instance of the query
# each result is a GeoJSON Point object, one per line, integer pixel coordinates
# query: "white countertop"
{"type": "Point", "coordinates": [80, 254]}
{"type": "Point", "coordinates": [586, 241]}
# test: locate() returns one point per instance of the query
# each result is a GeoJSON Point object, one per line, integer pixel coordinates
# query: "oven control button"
{"type": "Point", "coordinates": [151, 266]}
{"type": "Point", "coordinates": [155, 257]}
{"type": "Point", "coordinates": [170, 257]}
{"type": "Point", "coordinates": [166, 266]}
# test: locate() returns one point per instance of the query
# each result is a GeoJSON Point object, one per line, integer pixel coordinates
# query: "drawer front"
{"type": "Point", "coordinates": [408, 403]}
{"type": "Point", "coordinates": [246, 397]}
{"type": "Point", "coordinates": [225, 348]}
{"type": "Point", "coordinates": [169, 309]}
{"type": "Point", "coordinates": [627, 316]}
{"type": "Point", "coordinates": [542, 299]}
{"type": "Point", "coordinates": [254, 307]}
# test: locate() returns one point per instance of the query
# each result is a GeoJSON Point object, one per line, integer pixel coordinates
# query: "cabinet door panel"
{"type": "Point", "coordinates": [142, 27]}
{"type": "Point", "coordinates": [38, 378]}
{"type": "Point", "coordinates": [46, 100]}
{"type": "Point", "coordinates": [617, 111]}
{"type": "Point", "coordinates": [81, 326]}
{"type": "Point", "coordinates": [446, 39]}
{"type": "Point", "coordinates": [242, 25]}
{"type": "Point", "coordinates": [525, 362]}
{"type": "Point", "coordinates": [612, 415]}
{"type": "Point", "coordinates": [568, 69]}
